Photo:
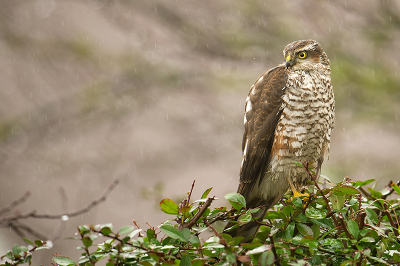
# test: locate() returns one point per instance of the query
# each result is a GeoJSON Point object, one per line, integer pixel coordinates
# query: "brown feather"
{"type": "Point", "coordinates": [265, 98]}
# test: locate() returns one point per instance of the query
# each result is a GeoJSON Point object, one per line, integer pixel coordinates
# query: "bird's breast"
{"type": "Point", "coordinates": [304, 128]}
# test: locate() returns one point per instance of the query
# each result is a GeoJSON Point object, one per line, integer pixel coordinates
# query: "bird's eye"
{"type": "Point", "coordinates": [302, 55]}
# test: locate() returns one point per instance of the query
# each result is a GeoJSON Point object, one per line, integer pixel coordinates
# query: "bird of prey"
{"type": "Point", "coordinates": [289, 116]}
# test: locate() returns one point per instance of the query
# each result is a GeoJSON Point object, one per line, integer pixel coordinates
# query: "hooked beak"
{"type": "Point", "coordinates": [289, 61]}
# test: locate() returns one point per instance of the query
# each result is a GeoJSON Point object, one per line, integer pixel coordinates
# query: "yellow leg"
{"type": "Point", "coordinates": [296, 193]}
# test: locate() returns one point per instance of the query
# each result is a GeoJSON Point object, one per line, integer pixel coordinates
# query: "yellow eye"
{"type": "Point", "coordinates": [302, 55]}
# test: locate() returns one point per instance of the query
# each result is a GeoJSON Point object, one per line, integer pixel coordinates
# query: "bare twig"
{"type": "Point", "coordinates": [190, 193]}
{"type": "Point", "coordinates": [18, 228]}
{"type": "Point", "coordinates": [392, 223]}
{"type": "Point", "coordinates": [221, 239]}
{"type": "Point", "coordinates": [197, 216]}
{"type": "Point", "coordinates": [62, 225]}
{"type": "Point", "coordinates": [391, 189]}
{"type": "Point", "coordinates": [277, 262]}
{"type": "Point", "coordinates": [15, 203]}
{"type": "Point", "coordinates": [33, 214]}
{"type": "Point", "coordinates": [366, 194]}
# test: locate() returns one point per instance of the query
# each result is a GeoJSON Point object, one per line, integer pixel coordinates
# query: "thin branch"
{"type": "Point", "coordinates": [18, 227]}
{"type": "Point", "coordinates": [190, 193]}
{"type": "Point", "coordinates": [197, 216]}
{"type": "Point", "coordinates": [277, 262]}
{"type": "Point", "coordinates": [221, 239]}
{"type": "Point", "coordinates": [391, 189]}
{"type": "Point", "coordinates": [366, 194]}
{"type": "Point", "coordinates": [16, 203]}
{"type": "Point", "coordinates": [33, 214]}
{"type": "Point", "coordinates": [62, 225]}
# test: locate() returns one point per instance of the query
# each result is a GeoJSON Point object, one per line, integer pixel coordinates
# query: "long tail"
{"type": "Point", "coordinates": [249, 230]}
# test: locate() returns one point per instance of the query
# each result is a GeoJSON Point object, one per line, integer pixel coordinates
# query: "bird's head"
{"type": "Point", "coordinates": [305, 55]}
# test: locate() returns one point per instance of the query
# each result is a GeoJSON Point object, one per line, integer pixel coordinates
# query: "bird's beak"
{"type": "Point", "coordinates": [289, 61]}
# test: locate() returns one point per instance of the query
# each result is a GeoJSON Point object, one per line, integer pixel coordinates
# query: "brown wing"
{"type": "Point", "coordinates": [262, 112]}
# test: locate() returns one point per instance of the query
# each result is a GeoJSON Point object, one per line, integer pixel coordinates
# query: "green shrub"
{"type": "Point", "coordinates": [344, 224]}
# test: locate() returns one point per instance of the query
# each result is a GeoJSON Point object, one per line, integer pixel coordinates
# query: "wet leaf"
{"type": "Point", "coordinates": [205, 194]}
{"type": "Point", "coordinates": [316, 230]}
{"type": "Point", "coordinates": [305, 230]}
{"type": "Point", "coordinates": [288, 210]}
{"type": "Point", "coordinates": [396, 188]}
{"type": "Point", "coordinates": [126, 229]}
{"type": "Point", "coordinates": [352, 227]}
{"type": "Point", "coordinates": [362, 183]}
{"type": "Point", "coordinates": [169, 206]}
{"type": "Point", "coordinates": [185, 261]}
{"type": "Point", "coordinates": [236, 200]}
{"type": "Point", "coordinates": [259, 249]}
{"type": "Point", "coordinates": [313, 213]}
{"type": "Point", "coordinates": [28, 241]}
{"type": "Point", "coordinates": [343, 190]}
{"type": "Point", "coordinates": [289, 233]}
{"type": "Point", "coordinates": [64, 261]}
{"type": "Point", "coordinates": [244, 219]}
{"type": "Point", "coordinates": [173, 232]}
{"type": "Point", "coordinates": [267, 258]}
{"type": "Point", "coordinates": [16, 249]}
{"type": "Point", "coordinates": [372, 215]}
{"type": "Point", "coordinates": [87, 241]}
{"type": "Point", "coordinates": [337, 201]}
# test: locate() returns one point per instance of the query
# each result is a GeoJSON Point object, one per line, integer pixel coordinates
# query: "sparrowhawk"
{"type": "Point", "coordinates": [289, 116]}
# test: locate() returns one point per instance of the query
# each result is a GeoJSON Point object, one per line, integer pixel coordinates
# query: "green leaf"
{"type": "Point", "coordinates": [185, 210]}
{"type": "Point", "coordinates": [372, 215]}
{"type": "Point", "coordinates": [64, 261]}
{"type": "Point", "coordinates": [326, 223]}
{"type": "Point", "coordinates": [126, 229]}
{"type": "Point", "coordinates": [267, 258]}
{"type": "Point", "coordinates": [137, 231]}
{"type": "Point", "coordinates": [362, 183]}
{"type": "Point", "coordinates": [87, 241]}
{"type": "Point", "coordinates": [84, 229]}
{"type": "Point", "coordinates": [297, 202]}
{"type": "Point", "coordinates": [289, 231]}
{"type": "Point", "coordinates": [337, 201]}
{"type": "Point", "coordinates": [259, 249]}
{"type": "Point", "coordinates": [39, 243]}
{"type": "Point", "coordinates": [305, 230]}
{"type": "Point", "coordinates": [367, 239]}
{"type": "Point", "coordinates": [288, 210]}
{"type": "Point", "coordinates": [173, 232]}
{"type": "Point", "coordinates": [345, 190]}
{"type": "Point", "coordinates": [316, 230]}
{"type": "Point", "coordinates": [16, 249]}
{"type": "Point", "coordinates": [236, 200]}
{"type": "Point", "coordinates": [150, 234]}
{"type": "Point", "coordinates": [298, 164]}
{"type": "Point", "coordinates": [352, 227]}
{"type": "Point", "coordinates": [28, 241]}
{"type": "Point", "coordinates": [169, 206]}
{"type": "Point", "coordinates": [396, 188]}
{"type": "Point", "coordinates": [185, 261]}
{"type": "Point", "coordinates": [106, 230]}
{"type": "Point", "coordinates": [313, 213]}
{"type": "Point", "coordinates": [205, 194]}
{"type": "Point", "coordinates": [244, 219]}
{"type": "Point", "coordinates": [379, 260]}
{"type": "Point", "coordinates": [198, 262]}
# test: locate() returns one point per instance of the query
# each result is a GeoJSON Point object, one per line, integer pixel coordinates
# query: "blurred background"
{"type": "Point", "coordinates": [152, 92]}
